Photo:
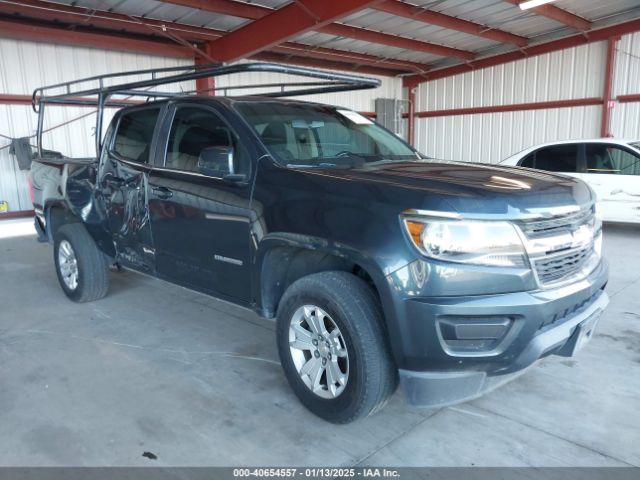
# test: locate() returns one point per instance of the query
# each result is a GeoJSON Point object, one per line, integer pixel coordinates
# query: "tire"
{"type": "Point", "coordinates": [369, 369]}
{"type": "Point", "coordinates": [91, 281]}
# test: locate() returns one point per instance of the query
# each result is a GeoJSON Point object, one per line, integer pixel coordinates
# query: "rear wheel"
{"type": "Point", "coordinates": [333, 347]}
{"type": "Point", "coordinates": [81, 267]}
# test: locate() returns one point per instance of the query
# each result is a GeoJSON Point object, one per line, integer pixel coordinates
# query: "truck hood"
{"type": "Point", "coordinates": [468, 188]}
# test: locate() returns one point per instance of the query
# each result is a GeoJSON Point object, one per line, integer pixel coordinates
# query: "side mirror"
{"type": "Point", "coordinates": [216, 161]}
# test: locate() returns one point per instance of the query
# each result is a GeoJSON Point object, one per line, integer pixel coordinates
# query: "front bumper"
{"type": "Point", "coordinates": [541, 323]}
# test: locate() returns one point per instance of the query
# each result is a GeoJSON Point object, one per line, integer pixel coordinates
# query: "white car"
{"type": "Point", "coordinates": [610, 166]}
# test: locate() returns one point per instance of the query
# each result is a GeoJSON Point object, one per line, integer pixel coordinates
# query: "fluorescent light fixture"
{"type": "Point", "coordinates": [533, 3]}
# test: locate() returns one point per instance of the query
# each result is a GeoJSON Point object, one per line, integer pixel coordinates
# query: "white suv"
{"type": "Point", "coordinates": [610, 166]}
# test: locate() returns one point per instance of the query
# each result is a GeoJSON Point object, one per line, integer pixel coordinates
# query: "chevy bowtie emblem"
{"type": "Point", "coordinates": [583, 235]}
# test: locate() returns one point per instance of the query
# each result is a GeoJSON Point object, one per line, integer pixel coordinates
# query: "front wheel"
{"type": "Point", "coordinates": [81, 267]}
{"type": "Point", "coordinates": [333, 347]}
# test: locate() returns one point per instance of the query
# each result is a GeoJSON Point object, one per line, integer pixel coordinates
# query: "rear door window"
{"type": "Point", "coordinates": [557, 158]}
{"type": "Point", "coordinates": [135, 134]}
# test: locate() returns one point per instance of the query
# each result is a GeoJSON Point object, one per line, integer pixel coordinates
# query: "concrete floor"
{"type": "Point", "coordinates": [156, 368]}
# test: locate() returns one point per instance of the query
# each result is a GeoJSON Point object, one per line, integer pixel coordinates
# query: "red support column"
{"type": "Point", "coordinates": [411, 84]}
{"type": "Point", "coordinates": [608, 102]}
{"type": "Point", "coordinates": [207, 85]}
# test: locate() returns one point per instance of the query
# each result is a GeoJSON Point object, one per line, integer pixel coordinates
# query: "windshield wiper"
{"type": "Point", "coordinates": [311, 165]}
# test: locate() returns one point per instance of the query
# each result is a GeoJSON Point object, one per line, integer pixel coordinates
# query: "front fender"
{"type": "Point", "coordinates": [325, 255]}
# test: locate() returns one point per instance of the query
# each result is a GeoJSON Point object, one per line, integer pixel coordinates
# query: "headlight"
{"type": "Point", "coordinates": [465, 241]}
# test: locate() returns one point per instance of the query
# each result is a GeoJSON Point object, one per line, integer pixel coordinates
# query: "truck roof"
{"type": "Point", "coordinates": [230, 100]}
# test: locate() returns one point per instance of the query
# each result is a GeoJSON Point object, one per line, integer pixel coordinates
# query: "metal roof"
{"type": "Point", "coordinates": [503, 17]}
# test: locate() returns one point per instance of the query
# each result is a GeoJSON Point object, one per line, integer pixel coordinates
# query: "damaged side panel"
{"type": "Point", "coordinates": [83, 204]}
{"type": "Point", "coordinates": [122, 199]}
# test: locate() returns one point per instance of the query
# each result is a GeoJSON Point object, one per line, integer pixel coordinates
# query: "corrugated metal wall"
{"type": "Point", "coordinates": [625, 120]}
{"type": "Point", "coordinates": [492, 137]}
{"type": "Point", "coordinates": [567, 74]}
{"type": "Point", "coordinates": [27, 65]}
{"type": "Point", "coordinates": [573, 73]}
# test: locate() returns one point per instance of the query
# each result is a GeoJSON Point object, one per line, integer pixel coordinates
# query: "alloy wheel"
{"type": "Point", "coordinates": [318, 351]}
{"type": "Point", "coordinates": [68, 265]}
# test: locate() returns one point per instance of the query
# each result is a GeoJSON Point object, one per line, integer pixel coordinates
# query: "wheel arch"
{"type": "Point", "coordinates": [58, 213]}
{"type": "Point", "coordinates": [283, 259]}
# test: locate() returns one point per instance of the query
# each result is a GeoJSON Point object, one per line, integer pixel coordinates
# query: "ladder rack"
{"type": "Point", "coordinates": [100, 90]}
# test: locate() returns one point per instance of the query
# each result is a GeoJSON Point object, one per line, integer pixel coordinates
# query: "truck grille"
{"type": "Point", "coordinates": [557, 267]}
{"type": "Point", "coordinates": [561, 223]}
{"type": "Point", "coordinates": [562, 248]}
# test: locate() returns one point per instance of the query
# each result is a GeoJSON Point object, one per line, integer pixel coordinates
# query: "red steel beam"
{"type": "Point", "coordinates": [225, 7]}
{"type": "Point", "coordinates": [319, 63]}
{"type": "Point", "coordinates": [559, 15]}
{"type": "Point", "coordinates": [207, 85]}
{"type": "Point", "coordinates": [256, 12]}
{"type": "Point", "coordinates": [38, 32]}
{"type": "Point", "coordinates": [293, 19]}
{"type": "Point", "coordinates": [311, 51]}
{"type": "Point", "coordinates": [395, 41]}
{"type": "Point", "coordinates": [18, 99]}
{"type": "Point", "coordinates": [17, 214]}
{"type": "Point", "coordinates": [514, 107]}
{"type": "Point", "coordinates": [23, 30]}
{"type": "Point", "coordinates": [411, 86]}
{"type": "Point", "coordinates": [607, 101]}
{"type": "Point", "coordinates": [553, 46]}
{"type": "Point", "coordinates": [12, 99]}
{"type": "Point", "coordinates": [50, 11]}
{"type": "Point", "coordinates": [633, 97]}
{"type": "Point", "coordinates": [402, 9]}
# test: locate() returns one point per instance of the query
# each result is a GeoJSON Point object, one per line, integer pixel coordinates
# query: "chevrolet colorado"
{"type": "Point", "coordinates": [380, 266]}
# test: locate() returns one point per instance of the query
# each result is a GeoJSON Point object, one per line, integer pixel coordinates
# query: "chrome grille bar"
{"type": "Point", "coordinates": [562, 248]}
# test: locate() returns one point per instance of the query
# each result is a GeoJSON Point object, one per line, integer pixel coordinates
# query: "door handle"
{"type": "Point", "coordinates": [162, 192]}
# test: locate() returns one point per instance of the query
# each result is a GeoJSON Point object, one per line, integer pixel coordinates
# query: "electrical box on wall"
{"type": "Point", "coordinates": [389, 114]}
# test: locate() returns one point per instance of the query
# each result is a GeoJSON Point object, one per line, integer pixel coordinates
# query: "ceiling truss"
{"type": "Point", "coordinates": [278, 34]}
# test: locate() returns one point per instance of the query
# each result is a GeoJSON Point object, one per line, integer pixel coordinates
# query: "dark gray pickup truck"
{"type": "Point", "coordinates": [378, 265]}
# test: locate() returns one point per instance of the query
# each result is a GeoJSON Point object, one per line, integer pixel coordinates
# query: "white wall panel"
{"type": "Point", "coordinates": [491, 137]}
{"type": "Point", "coordinates": [566, 74]}
{"type": "Point", "coordinates": [625, 121]}
{"type": "Point", "coordinates": [627, 71]}
{"type": "Point", "coordinates": [25, 66]}
{"type": "Point", "coordinates": [15, 121]}
{"type": "Point", "coordinates": [625, 117]}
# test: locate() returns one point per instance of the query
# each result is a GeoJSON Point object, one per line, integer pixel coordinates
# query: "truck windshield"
{"type": "Point", "coordinates": [307, 135]}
